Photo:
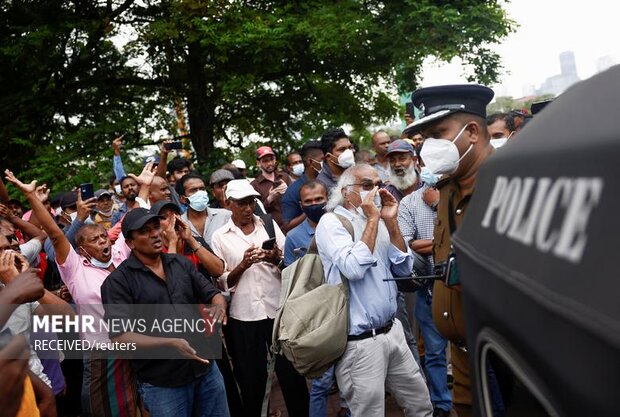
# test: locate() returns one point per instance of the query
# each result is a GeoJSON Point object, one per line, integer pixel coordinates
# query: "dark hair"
{"type": "Point", "coordinates": [80, 235]}
{"type": "Point", "coordinates": [123, 179]}
{"type": "Point", "coordinates": [311, 185]}
{"type": "Point", "coordinates": [112, 179]}
{"type": "Point", "coordinates": [180, 184]}
{"type": "Point", "coordinates": [506, 117]}
{"type": "Point", "coordinates": [177, 164]}
{"type": "Point", "coordinates": [330, 137]}
{"type": "Point", "coordinates": [16, 202]}
{"type": "Point", "coordinates": [233, 170]}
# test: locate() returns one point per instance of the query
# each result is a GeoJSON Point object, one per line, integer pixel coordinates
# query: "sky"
{"type": "Point", "coordinates": [546, 28]}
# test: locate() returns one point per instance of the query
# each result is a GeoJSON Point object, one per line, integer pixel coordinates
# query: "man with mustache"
{"type": "Point", "coordinates": [403, 169]}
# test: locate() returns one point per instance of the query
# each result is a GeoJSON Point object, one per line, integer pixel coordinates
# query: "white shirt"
{"type": "Point", "coordinates": [256, 295]}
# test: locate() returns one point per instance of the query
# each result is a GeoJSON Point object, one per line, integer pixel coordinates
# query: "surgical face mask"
{"type": "Point", "coordinates": [96, 263]}
{"type": "Point", "coordinates": [199, 201]}
{"type": "Point", "coordinates": [298, 170]}
{"type": "Point", "coordinates": [498, 143]}
{"type": "Point", "coordinates": [117, 189]}
{"type": "Point", "coordinates": [346, 159]}
{"type": "Point", "coordinates": [314, 211]}
{"type": "Point", "coordinates": [377, 200]}
{"type": "Point", "coordinates": [441, 156]}
{"type": "Point", "coordinates": [428, 177]}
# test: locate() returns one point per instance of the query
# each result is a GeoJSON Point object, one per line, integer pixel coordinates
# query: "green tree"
{"type": "Point", "coordinates": [76, 73]}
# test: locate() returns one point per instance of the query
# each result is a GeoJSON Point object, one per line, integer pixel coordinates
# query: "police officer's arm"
{"type": "Point", "coordinates": [422, 246]}
{"type": "Point", "coordinates": [60, 242]}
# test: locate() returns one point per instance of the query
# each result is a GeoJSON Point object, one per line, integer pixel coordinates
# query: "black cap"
{"type": "Point", "coordinates": [68, 199]}
{"type": "Point", "coordinates": [539, 105]}
{"type": "Point", "coordinates": [135, 219]}
{"type": "Point", "coordinates": [162, 204]}
{"type": "Point", "coordinates": [436, 103]}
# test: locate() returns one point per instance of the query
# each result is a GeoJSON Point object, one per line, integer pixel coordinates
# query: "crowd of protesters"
{"type": "Point", "coordinates": [169, 235]}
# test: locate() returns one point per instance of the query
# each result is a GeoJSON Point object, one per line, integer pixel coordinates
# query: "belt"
{"type": "Point", "coordinates": [371, 333]}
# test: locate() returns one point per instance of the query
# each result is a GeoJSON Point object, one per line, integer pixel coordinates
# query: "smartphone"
{"type": "Point", "coordinates": [177, 144]}
{"type": "Point", "coordinates": [269, 244]}
{"type": "Point", "coordinates": [86, 190]}
{"type": "Point", "coordinates": [452, 273]}
{"type": "Point", "coordinates": [410, 109]}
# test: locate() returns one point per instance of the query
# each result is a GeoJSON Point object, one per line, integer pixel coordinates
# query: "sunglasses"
{"type": "Point", "coordinates": [368, 185]}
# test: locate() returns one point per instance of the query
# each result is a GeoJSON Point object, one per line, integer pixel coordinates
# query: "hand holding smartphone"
{"type": "Point", "coordinates": [177, 144]}
{"type": "Point", "coordinates": [269, 244]}
{"type": "Point", "coordinates": [86, 191]}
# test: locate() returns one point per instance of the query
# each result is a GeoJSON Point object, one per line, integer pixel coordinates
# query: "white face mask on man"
{"type": "Point", "coordinates": [346, 159]}
{"type": "Point", "coordinates": [441, 156]}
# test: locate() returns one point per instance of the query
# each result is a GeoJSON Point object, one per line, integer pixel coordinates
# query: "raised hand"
{"type": "Point", "coordinates": [146, 176]}
{"type": "Point", "coordinates": [116, 145]}
{"type": "Point", "coordinates": [42, 193]}
{"type": "Point", "coordinates": [368, 205]}
{"type": "Point", "coordinates": [389, 209]}
{"type": "Point", "coordinates": [24, 188]}
{"type": "Point", "coordinates": [84, 207]}
{"type": "Point", "coordinates": [25, 287]}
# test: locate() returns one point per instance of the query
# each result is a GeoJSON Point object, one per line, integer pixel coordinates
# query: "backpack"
{"type": "Point", "coordinates": [312, 323]}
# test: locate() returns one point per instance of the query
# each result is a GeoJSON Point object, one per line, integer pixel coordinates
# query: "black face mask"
{"type": "Point", "coordinates": [314, 211]}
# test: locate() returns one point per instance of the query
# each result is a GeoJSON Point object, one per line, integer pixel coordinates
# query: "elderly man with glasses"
{"type": "Point", "coordinates": [377, 353]}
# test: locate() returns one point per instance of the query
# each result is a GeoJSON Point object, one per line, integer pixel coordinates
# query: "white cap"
{"type": "Point", "coordinates": [239, 164]}
{"type": "Point", "coordinates": [240, 189]}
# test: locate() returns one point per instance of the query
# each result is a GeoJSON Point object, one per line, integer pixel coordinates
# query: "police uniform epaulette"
{"type": "Point", "coordinates": [442, 182]}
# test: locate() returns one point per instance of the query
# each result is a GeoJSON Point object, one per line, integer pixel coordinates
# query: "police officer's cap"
{"type": "Point", "coordinates": [436, 103]}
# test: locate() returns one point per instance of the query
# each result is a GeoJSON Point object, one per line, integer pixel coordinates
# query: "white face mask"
{"type": "Point", "coordinates": [298, 170]}
{"type": "Point", "coordinates": [96, 263]}
{"type": "Point", "coordinates": [346, 159]}
{"type": "Point", "coordinates": [117, 189]}
{"type": "Point", "coordinates": [363, 195]}
{"type": "Point", "coordinates": [441, 156]}
{"type": "Point", "coordinates": [498, 143]}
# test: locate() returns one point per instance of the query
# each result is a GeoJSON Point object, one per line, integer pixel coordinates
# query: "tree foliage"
{"type": "Point", "coordinates": [77, 72]}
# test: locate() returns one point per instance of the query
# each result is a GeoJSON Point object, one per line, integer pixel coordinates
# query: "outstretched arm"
{"type": "Point", "coordinates": [60, 242]}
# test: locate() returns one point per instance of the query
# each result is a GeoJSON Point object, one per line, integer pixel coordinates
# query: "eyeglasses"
{"type": "Point", "coordinates": [369, 185]}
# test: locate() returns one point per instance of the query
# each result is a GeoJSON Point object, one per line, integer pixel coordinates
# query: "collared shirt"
{"type": "Point", "coordinates": [398, 194]}
{"type": "Point", "coordinates": [297, 240]}
{"type": "Point", "coordinates": [326, 177]}
{"type": "Point", "coordinates": [83, 280]}
{"type": "Point", "coordinates": [417, 220]}
{"type": "Point", "coordinates": [290, 200]}
{"type": "Point", "coordinates": [263, 186]}
{"type": "Point", "coordinates": [216, 218]}
{"type": "Point", "coordinates": [122, 210]}
{"type": "Point", "coordinates": [134, 283]}
{"type": "Point", "coordinates": [372, 301]}
{"type": "Point", "coordinates": [256, 295]}
{"type": "Point", "coordinates": [384, 172]}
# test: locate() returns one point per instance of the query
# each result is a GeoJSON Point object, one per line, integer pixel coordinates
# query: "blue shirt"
{"type": "Point", "coordinates": [327, 178]}
{"type": "Point", "coordinates": [297, 238]}
{"type": "Point", "coordinates": [290, 200]}
{"type": "Point", "coordinates": [372, 301]}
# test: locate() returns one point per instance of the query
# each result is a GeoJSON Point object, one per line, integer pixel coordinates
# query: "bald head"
{"type": "Point", "coordinates": [159, 190]}
{"type": "Point", "coordinates": [380, 143]}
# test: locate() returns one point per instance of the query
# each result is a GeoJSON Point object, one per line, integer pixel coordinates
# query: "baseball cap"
{"type": "Point", "coordinates": [239, 164]}
{"type": "Point", "coordinates": [264, 151]}
{"type": "Point", "coordinates": [135, 219]}
{"type": "Point", "coordinates": [400, 146]}
{"type": "Point", "coordinates": [162, 204]}
{"type": "Point", "coordinates": [240, 189]}
{"type": "Point", "coordinates": [102, 192]}
{"type": "Point", "coordinates": [68, 199]}
{"type": "Point", "coordinates": [220, 175]}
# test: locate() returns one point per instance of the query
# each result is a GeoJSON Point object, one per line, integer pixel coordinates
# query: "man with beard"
{"type": "Point", "coordinates": [109, 386]}
{"type": "Point", "coordinates": [271, 184]}
{"type": "Point", "coordinates": [130, 189]}
{"type": "Point", "coordinates": [403, 173]}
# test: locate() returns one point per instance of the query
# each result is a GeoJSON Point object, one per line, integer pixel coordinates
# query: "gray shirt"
{"type": "Point", "coordinates": [216, 218]}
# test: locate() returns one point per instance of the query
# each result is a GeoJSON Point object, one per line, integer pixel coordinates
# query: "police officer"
{"type": "Point", "coordinates": [457, 143]}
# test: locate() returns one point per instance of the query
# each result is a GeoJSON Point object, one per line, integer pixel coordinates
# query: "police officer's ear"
{"type": "Point", "coordinates": [475, 131]}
